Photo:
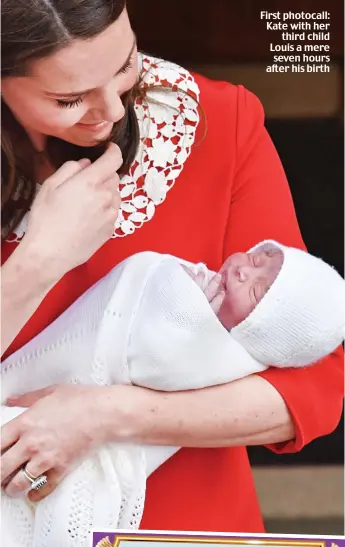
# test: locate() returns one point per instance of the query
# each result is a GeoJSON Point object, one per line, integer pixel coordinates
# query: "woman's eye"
{"type": "Point", "coordinates": [127, 67]}
{"type": "Point", "coordinates": [69, 104]}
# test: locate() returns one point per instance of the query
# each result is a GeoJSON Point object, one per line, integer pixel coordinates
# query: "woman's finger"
{"type": "Point", "coordinates": [9, 435]}
{"type": "Point", "coordinates": [30, 398]}
{"type": "Point", "coordinates": [84, 162]}
{"type": "Point", "coordinates": [68, 170]}
{"type": "Point", "coordinates": [54, 479]}
{"type": "Point", "coordinates": [13, 459]}
{"type": "Point", "coordinates": [103, 168]}
{"type": "Point", "coordinates": [19, 482]}
{"type": "Point", "coordinates": [112, 184]}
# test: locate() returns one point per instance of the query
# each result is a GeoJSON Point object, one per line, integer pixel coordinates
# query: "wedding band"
{"type": "Point", "coordinates": [36, 482]}
{"type": "Point", "coordinates": [28, 475]}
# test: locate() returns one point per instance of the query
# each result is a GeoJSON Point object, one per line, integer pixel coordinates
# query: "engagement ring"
{"type": "Point", "coordinates": [36, 482]}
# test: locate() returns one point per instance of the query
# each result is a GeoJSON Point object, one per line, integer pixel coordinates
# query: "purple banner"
{"type": "Point", "coordinates": [123, 539]}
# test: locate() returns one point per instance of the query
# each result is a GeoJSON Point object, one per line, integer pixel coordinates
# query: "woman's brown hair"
{"type": "Point", "coordinates": [31, 30]}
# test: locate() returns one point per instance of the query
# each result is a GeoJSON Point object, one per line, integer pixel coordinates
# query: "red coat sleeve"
{"type": "Point", "coordinates": [262, 208]}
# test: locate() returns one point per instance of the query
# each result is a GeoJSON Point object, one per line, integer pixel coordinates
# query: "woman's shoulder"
{"type": "Point", "coordinates": [234, 116]}
{"type": "Point", "coordinates": [213, 95]}
{"type": "Point", "coordinates": [229, 100]}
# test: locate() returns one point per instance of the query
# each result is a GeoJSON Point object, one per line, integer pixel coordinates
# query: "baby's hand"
{"type": "Point", "coordinates": [213, 290]}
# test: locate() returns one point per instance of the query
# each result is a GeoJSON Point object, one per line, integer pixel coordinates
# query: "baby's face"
{"type": "Point", "coordinates": [246, 278]}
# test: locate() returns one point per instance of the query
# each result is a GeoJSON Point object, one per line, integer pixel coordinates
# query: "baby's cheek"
{"type": "Point", "coordinates": [225, 314]}
{"type": "Point", "coordinates": [227, 299]}
{"type": "Point", "coordinates": [236, 308]}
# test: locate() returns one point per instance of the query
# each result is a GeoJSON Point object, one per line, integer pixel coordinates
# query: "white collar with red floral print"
{"type": "Point", "coordinates": [168, 119]}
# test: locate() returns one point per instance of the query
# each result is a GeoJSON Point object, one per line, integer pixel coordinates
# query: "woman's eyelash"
{"type": "Point", "coordinates": [69, 104]}
{"type": "Point", "coordinates": [127, 67]}
{"type": "Point", "coordinates": [79, 100]}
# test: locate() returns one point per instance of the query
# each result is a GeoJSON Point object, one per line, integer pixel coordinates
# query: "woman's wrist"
{"type": "Point", "coordinates": [119, 408]}
{"type": "Point", "coordinates": [26, 278]}
{"type": "Point", "coordinates": [38, 265]}
{"type": "Point", "coordinates": [209, 417]}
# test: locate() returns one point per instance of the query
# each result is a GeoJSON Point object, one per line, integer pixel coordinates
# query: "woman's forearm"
{"type": "Point", "coordinates": [26, 278]}
{"type": "Point", "coordinates": [246, 412]}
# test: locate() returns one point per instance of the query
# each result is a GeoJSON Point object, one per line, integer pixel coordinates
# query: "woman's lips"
{"type": "Point", "coordinates": [95, 127]}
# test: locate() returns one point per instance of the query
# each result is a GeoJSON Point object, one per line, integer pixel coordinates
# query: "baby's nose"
{"type": "Point", "coordinates": [247, 272]}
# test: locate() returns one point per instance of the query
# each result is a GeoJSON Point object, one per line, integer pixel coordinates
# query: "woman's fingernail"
{"type": "Point", "coordinates": [12, 492]}
{"type": "Point", "coordinates": [84, 162]}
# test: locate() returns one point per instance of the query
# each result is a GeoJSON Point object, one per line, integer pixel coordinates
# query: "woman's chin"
{"type": "Point", "coordinates": [88, 138]}
{"type": "Point", "coordinates": [88, 144]}
{"type": "Point", "coordinates": [92, 143]}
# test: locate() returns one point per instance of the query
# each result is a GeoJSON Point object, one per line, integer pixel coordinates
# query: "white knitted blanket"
{"type": "Point", "coordinates": [145, 323]}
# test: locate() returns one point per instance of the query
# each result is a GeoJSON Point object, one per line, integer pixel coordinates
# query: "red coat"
{"type": "Point", "coordinates": [231, 194]}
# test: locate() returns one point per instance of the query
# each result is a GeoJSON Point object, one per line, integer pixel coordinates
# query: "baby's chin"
{"type": "Point", "coordinates": [228, 319]}
{"type": "Point", "coordinates": [225, 318]}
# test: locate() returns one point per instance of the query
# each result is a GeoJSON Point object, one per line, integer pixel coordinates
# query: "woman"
{"type": "Point", "coordinates": [69, 83]}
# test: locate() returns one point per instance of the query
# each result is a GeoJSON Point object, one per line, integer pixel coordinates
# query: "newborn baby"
{"type": "Point", "coordinates": [149, 323]}
{"type": "Point", "coordinates": [241, 283]}
{"type": "Point", "coordinates": [301, 316]}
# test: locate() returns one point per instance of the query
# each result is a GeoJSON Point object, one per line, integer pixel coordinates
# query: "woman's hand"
{"type": "Point", "coordinates": [72, 216]}
{"type": "Point", "coordinates": [74, 213]}
{"type": "Point", "coordinates": [65, 422]}
{"type": "Point", "coordinates": [62, 424]}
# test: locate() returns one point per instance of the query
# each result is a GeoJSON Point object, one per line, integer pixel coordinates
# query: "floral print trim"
{"type": "Point", "coordinates": [168, 119]}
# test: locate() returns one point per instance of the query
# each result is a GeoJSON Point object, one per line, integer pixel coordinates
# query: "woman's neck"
{"type": "Point", "coordinates": [42, 166]}
{"type": "Point", "coordinates": [43, 169]}
{"type": "Point", "coordinates": [38, 140]}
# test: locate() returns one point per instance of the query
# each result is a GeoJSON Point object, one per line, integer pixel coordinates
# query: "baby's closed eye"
{"type": "Point", "coordinates": [258, 291]}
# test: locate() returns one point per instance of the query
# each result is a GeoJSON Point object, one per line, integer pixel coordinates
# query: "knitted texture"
{"type": "Point", "coordinates": [301, 318]}
{"type": "Point", "coordinates": [146, 323]}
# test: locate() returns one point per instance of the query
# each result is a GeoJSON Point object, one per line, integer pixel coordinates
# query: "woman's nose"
{"type": "Point", "coordinates": [109, 105]}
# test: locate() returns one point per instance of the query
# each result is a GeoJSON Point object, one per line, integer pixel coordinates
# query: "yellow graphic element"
{"type": "Point", "coordinates": [105, 542]}
{"type": "Point", "coordinates": [120, 541]}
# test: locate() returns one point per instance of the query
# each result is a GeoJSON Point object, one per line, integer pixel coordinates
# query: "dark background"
{"type": "Point", "coordinates": [226, 34]}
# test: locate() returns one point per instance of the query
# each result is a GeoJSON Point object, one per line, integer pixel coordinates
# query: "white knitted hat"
{"type": "Point", "coordinates": [301, 318]}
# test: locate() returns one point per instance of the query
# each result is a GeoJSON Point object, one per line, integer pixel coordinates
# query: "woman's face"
{"type": "Point", "coordinates": [75, 94]}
